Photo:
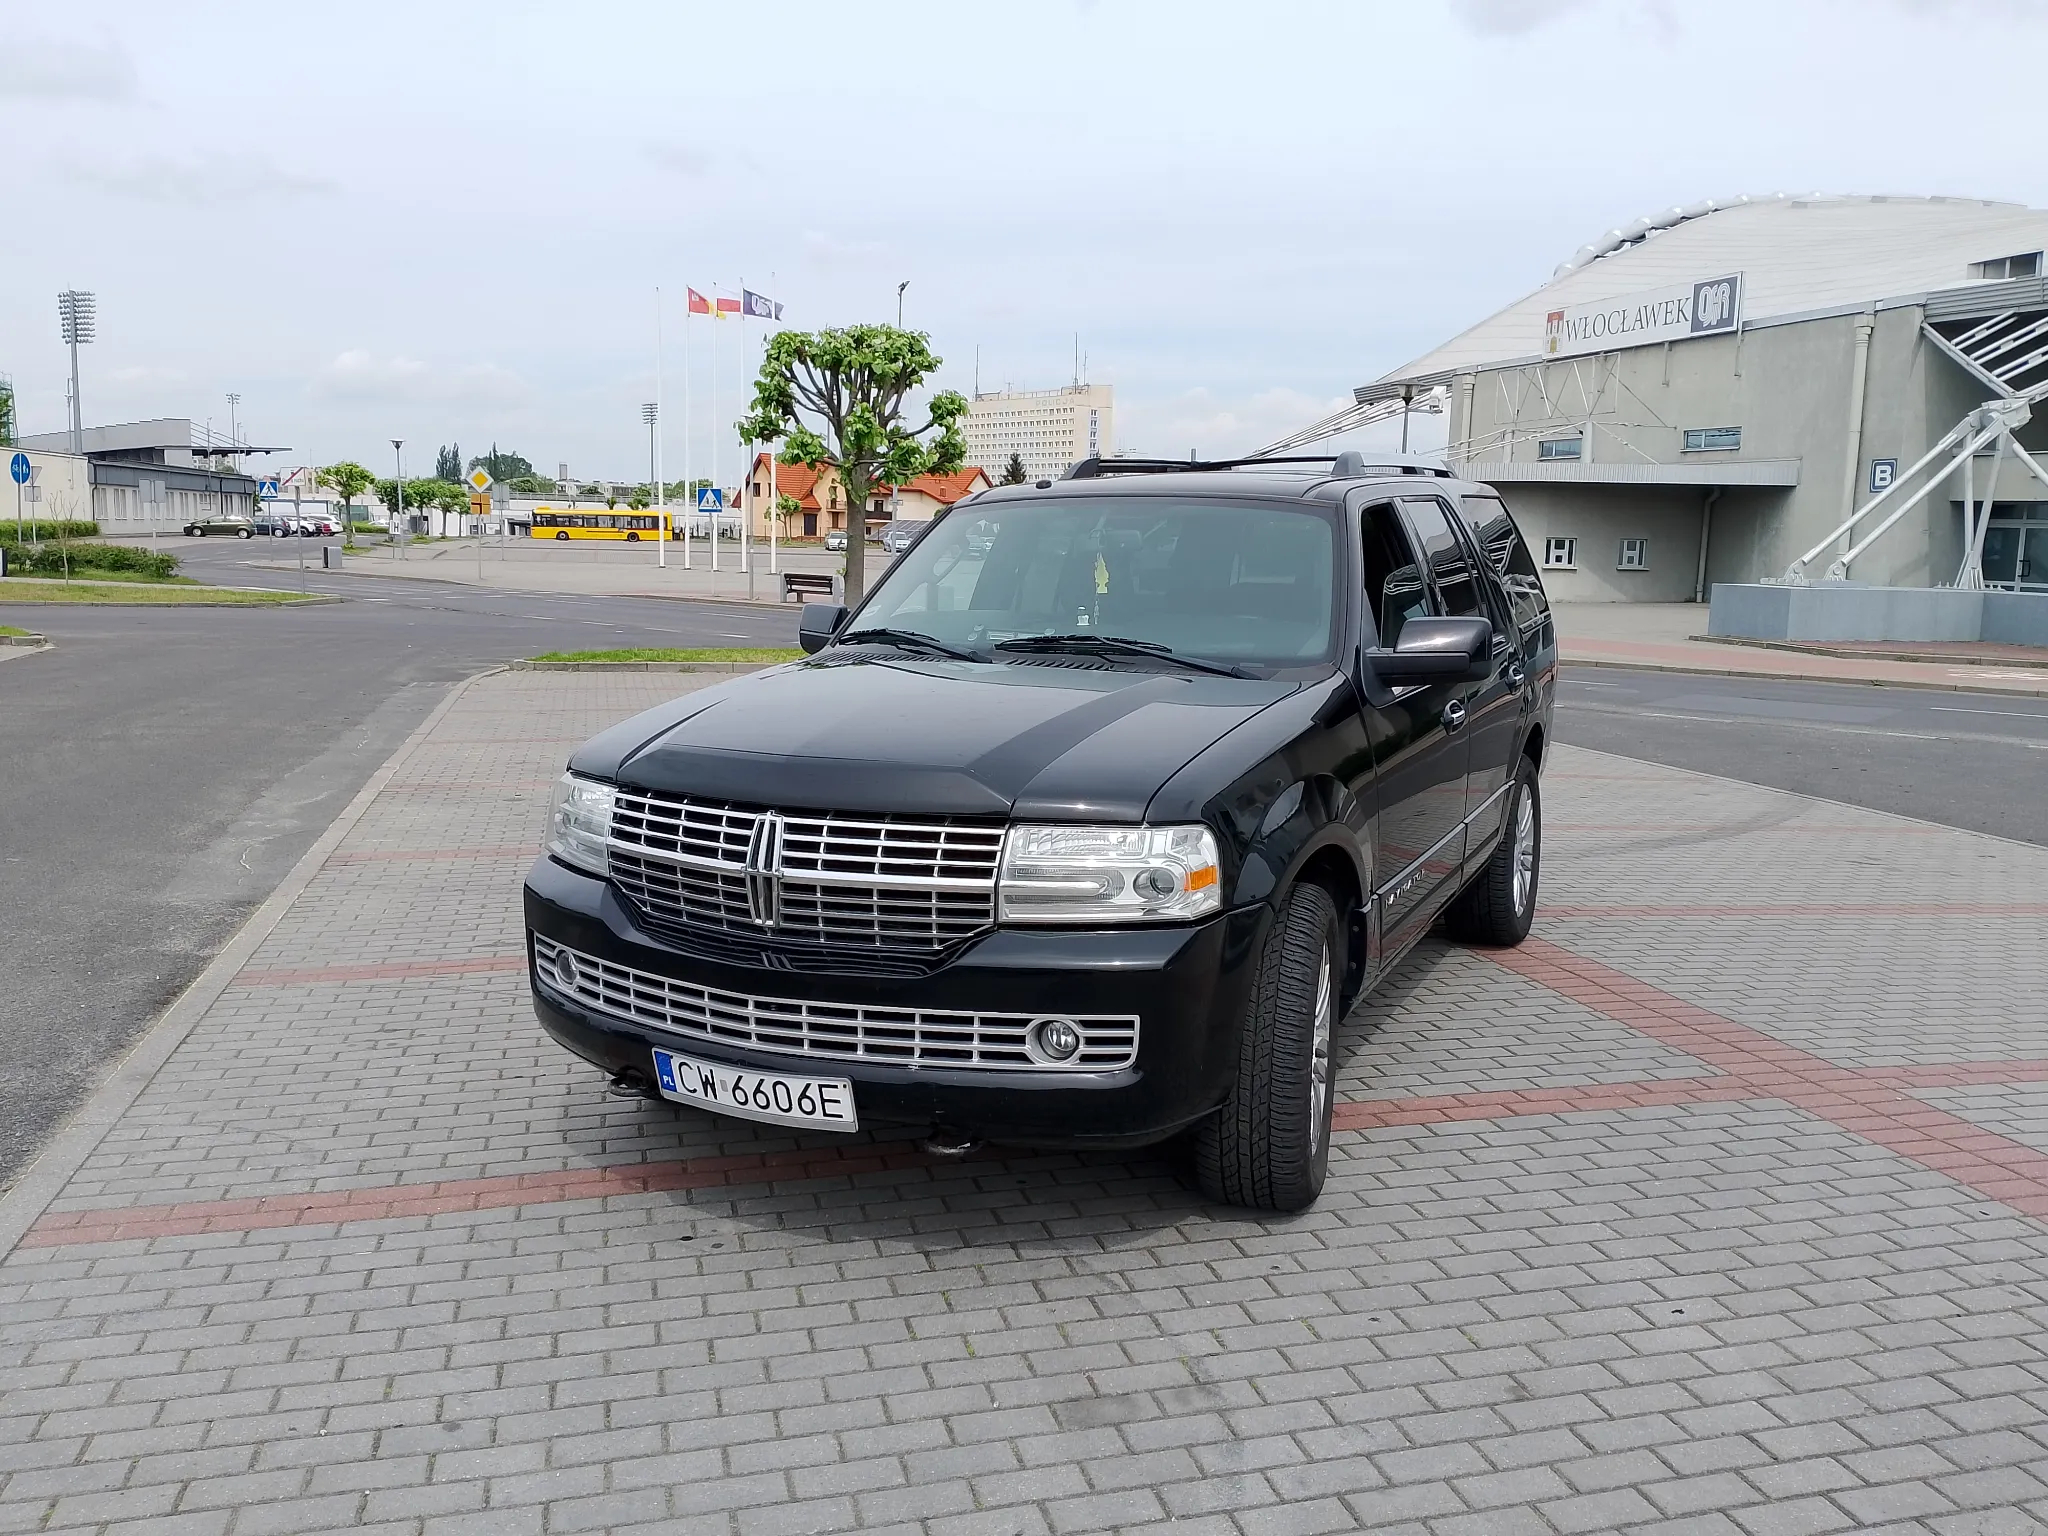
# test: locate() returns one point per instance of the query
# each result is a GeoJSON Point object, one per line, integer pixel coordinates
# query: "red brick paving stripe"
{"type": "Point", "coordinates": [1370, 1114]}
{"type": "Point", "coordinates": [393, 970]}
{"type": "Point", "coordinates": [394, 1201]}
{"type": "Point", "coordinates": [1810, 909]}
{"type": "Point", "coordinates": [1865, 1105]}
{"type": "Point", "coordinates": [381, 855]}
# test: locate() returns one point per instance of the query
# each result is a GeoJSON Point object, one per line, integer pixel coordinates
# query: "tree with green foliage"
{"type": "Point", "coordinates": [532, 485]}
{"type": "Point", "coordinates": [839, 396]}
{"type": "Point", "coordinates": [351, 480]}
{"type": "Point", "coordinates": [1014, 472]}
{"type": "Point", "coordinates": [448, 463]}
{"type": "Point", "coordinates": [640, 498]}
{"type": "Point", "coordinates": [500, 466]}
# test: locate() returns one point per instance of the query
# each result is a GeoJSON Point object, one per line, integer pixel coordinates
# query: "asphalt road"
{"type": "Point", "coordinates": [1974, 760]}
{"type": "Point", "coordinates": [161, 769]}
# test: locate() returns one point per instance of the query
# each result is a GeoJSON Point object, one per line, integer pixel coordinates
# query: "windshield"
{"type": "Point", "coordinates": [1239, 582]}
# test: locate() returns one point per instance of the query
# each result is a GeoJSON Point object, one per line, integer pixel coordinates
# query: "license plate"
{"type": "Point", "coordinates": [825, 1103]}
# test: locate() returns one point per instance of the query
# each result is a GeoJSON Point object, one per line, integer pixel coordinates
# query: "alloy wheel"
{"type": "Point", "coordinates": [1525, 849]}
{"type": "Point", "coordinates": [1319, 1050]}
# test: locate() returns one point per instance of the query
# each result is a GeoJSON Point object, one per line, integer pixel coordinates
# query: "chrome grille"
{"type": "Point", "coordinates": [828, 878]}
{"type": "Point", "coordinates": [831, 1031]}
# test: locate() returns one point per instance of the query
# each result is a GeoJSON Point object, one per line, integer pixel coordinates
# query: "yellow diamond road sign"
{"type": "Point", "coordinates": [480, 478]}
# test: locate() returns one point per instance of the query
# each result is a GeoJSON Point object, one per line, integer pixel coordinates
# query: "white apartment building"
{"type": "Point", "coordinates": [1048, 428]}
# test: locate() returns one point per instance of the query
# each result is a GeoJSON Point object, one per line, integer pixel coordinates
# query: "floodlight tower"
{"type": "Point", "coordinates": [75, 319]}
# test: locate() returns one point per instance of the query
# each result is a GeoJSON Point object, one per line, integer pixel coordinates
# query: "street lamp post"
{"type": "Point", "coordinates": [899, 302]}
{"type": "Point", "coordinates": [234, 434]}
{"type": "Point", "coordinates": [397, 490]}
{"type": "Point", "coordinates": [651, 414]}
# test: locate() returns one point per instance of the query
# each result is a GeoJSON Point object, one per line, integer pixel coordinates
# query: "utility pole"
{"type": "Point", "coordinates": [234, 434]}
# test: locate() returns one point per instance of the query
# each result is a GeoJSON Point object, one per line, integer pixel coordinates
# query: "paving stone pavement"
{"type": "Point", "coordinates": [1721, 1206]}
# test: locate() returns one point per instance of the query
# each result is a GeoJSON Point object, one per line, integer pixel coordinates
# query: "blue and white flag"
{"type": "Point", "coordinates": [755, 307]}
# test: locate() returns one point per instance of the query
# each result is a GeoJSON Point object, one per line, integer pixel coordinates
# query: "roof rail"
{"type": "Point", "coordinates": [1349, 465]}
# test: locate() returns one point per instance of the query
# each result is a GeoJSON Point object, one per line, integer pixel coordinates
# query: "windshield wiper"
{"type": "Point", "coordinates": [911, 638]}
{"type": "Point", "coordinates": [1117, 645]}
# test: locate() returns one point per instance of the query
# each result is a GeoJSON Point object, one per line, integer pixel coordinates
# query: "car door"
{"type": "Point", "coordinates": [1492, 707]}
{"type": "Point", "coordinates": [1419, 757]}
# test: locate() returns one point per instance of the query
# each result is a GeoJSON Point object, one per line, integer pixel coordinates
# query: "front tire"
{"type": "Point", "coordinates": [1499, 905]}
{"type": "Point", "coordinates": [1268, 1147]}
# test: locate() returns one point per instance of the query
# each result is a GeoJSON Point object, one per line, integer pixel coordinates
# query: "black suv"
{"type": "Point", "coordinates": [1082, 830]}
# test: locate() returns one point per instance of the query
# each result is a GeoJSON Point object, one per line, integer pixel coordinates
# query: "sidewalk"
{"type": "Point", "coordinates": [610, 571]}
{"type": "Point", "coordinates": [1659, 636]}
{"type": "Point", "coordinates": [1720, 1206]}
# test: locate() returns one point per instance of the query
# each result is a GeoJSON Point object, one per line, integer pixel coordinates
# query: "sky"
{"type": "Point", "coordinates": [448, 222]}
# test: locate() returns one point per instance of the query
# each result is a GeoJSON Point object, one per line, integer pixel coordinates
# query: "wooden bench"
{"type": "Point", "coordinates": [806, 584]}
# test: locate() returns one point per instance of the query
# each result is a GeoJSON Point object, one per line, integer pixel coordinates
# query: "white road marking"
{"type": "Point", "coordinates": [2010, 714]}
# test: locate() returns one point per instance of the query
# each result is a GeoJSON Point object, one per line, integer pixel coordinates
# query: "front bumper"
{"type": "Point", "coordinates": [1186, 985]}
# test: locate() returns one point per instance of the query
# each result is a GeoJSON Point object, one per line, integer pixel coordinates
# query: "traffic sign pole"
{"type": "Point", "coordinates": [20, 469]}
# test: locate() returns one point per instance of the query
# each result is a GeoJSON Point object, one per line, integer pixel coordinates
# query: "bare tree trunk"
{"type": "Point", "coordinates": [856, 584]}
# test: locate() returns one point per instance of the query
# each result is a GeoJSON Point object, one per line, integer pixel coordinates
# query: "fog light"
{"type": "Point", "coordinates": [1054, 1041]}
{"type": "Point", "coordinates": [565, 968]}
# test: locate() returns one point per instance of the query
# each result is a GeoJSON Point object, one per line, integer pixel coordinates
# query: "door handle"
{"type": "Point", "coordinates": [1514, 676]}
{"type": "Point", "coordinates": [1454, 714]}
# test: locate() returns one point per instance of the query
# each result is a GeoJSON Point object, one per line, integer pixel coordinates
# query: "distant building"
{"type": "Point", "coordinates": [821, 497]}
{"type": "Point", "coordinates": [1047, 428]}
{"type": "Point", "coordinates": [158, 474]}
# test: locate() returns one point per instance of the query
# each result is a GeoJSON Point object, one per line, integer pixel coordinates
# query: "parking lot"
{"type": "Point", "coordinates": [1719, 1206]}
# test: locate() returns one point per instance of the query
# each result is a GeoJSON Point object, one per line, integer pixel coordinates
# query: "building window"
{"type": "Point", "coordinates": [2025, 265]}
{"type": "Point", "coordinates": [1561, 554]}
{"type": "Point", "coordinates": [1635, 555]}
{"type": "Point", "coordinates": [1559, 448]}
{"type": "Point", "coordinates": [1712, 439]}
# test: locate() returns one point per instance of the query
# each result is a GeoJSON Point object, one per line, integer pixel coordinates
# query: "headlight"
{"type": "Point", "coordinates": [1108, 875]}
{"type": "Point", "coordinates": [579, 821]}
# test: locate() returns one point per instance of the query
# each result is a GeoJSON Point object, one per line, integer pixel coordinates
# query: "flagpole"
{"type": "Point", "coordinates": [774, 496]}
{"type": "Point", "coordinates": [660, 427]}
{"type": "Point", "coordinates": [746, 486]}
{"type": "Point", "coordinates": [689, 487]}
{"type": "Point", "coordinates": [717, 485]}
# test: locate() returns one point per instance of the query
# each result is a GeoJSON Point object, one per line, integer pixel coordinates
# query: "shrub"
{"type": "Point", "coordinates": [50, 560]}
{"type": "Point", "coordinates": [33, 529]}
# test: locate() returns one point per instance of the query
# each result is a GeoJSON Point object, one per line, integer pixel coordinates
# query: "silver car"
{"type": "Point", "coordinates": [896, 536]}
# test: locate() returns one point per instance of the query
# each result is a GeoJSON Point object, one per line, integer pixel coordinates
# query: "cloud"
{"type": "Point", "coordinates": [49, 68]}
{"type": "Point", "coordinates": [1513, 17]}
{"type": "Point", "coordinates": [1217, 426]}
{"type": "Point", "coordinates": [205, 182]}
{"type": "Point", "coordinates": [361, 376]}
{"type": "Point", "coordinates": [826, 247]}
{"type": "Point", "coordinates": [683, 159]}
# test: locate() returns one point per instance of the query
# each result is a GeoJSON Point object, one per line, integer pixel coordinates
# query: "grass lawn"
{"type": "Point", "coordinates": [26, 589]}
{"type": "Point", "coordinates": [9, 629]}
{"type": "Point", "coordinates": [658, 654]}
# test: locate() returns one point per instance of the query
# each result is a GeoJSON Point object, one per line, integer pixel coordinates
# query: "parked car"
{"type": "Point", "coordinates": [1085, 829]}
{"type": "Point", "coordinates": [240, 527]}
{"type": "Point", "coordinates": [896, 536]}
{"type": "Point", "coordinates": [271, 526]}
{"type": "Point", "coordinates": [835, 538]}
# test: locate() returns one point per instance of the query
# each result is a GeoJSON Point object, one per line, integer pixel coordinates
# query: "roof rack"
{"type": "Point", "coordinates": [1349, 465]}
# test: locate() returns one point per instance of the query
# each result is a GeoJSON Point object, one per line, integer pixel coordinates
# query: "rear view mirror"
{"type": "Point", "coordinates": [820, 622]}
{"type": "Point", "coordinates": [1436, 651]}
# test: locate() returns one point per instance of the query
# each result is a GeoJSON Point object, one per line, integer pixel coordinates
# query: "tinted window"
{"type": "Point", "coordinates": [1394, 588]}
{"type": "Point", "coordinates": [1239, 582]}
{"type": "Point", "coordinates": [1445, 557]}
{"type": "Point", "coordinates": [1495, 533]}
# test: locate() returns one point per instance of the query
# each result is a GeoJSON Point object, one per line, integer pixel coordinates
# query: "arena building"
{"type": "Point", "coordinates": [1704, 396]}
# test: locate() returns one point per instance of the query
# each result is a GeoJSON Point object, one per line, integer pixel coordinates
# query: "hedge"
{"type": "Point", "coordinates": [33, 529]}
{"type": "Point", "coordinates": [49, 560]}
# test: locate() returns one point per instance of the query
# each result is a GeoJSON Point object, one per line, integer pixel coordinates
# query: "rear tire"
{"type": "Point", "coordinates": [1268, 1147]}
{"type": "Point", "coordinates": [1497, 908]}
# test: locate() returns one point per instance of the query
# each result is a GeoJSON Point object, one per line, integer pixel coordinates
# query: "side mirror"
{"type": "Point", "coordinates": [1436, 651]}
{"type": "Point", "coordinates": [820, 622]}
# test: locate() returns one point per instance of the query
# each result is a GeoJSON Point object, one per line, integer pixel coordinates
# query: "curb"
{"type": "Point", "coordinates": [24, 640]}
{"type": "Point", "coordinates": [44, 1179]}
{"type": "Point", "coordinates": [642, 666]}
{"type": "Point", "coordinates": [1803, 648]}
{"type": "Point", "coordinates": [773, 605]}
{"type": "Point", "coordinates": [1953, 685]}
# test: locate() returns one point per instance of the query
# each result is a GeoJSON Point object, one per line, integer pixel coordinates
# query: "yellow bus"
{"type": "Point", "coordinates": [630, 526]}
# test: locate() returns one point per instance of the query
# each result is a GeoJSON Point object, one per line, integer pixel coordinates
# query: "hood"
{"type": "Point", "coordinates": [947, 738]}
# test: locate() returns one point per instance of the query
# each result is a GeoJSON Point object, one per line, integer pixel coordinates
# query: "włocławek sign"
{"type": "Point", "coordinates": [1643, 319]}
